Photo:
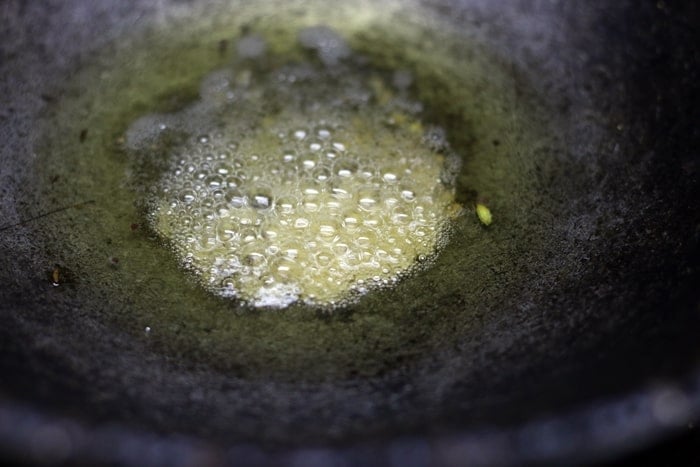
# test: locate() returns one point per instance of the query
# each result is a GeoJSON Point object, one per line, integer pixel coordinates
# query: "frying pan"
{"type": "Point", "coordinates": [566, 331]}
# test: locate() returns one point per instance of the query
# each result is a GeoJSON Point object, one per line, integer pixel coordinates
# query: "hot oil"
{"type": "Point", "coordinates": [464, 92]}
{"type": "Point", "coordinates": [335, 189]}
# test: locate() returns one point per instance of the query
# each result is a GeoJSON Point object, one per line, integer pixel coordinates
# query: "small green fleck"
{"type": "Point", "coordinates": [484, 214]}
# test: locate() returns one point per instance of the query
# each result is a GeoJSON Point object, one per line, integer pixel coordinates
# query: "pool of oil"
{"type": "Point", "coordinates": [312, 182]}
{"type": "Point", "coordinates": [127, 276]}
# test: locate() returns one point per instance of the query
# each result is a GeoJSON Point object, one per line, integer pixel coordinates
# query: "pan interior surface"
{"type": "Point", "coordinates": [579, 290]}
{"type": "Point", "coordinates": [110, 246]}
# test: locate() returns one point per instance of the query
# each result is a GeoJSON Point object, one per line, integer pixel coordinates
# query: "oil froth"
{"type": "Point", "coordinates": [311, 182]}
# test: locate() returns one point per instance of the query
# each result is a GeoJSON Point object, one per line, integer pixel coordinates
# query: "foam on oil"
{"type": "Point", "coordinates": [332, 189]}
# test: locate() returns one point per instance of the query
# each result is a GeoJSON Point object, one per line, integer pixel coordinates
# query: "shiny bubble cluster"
{"type": "Point", "coordinates": [318, 200]}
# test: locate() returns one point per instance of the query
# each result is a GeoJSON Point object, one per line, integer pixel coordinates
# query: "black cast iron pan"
{"type": "Point", "coordinates": [580, 348]}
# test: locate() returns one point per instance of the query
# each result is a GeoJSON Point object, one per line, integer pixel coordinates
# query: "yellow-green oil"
{"type": "Point", "coordinates": [333, 192]}
{"type": "Point", "coordinates": [464, 89]}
